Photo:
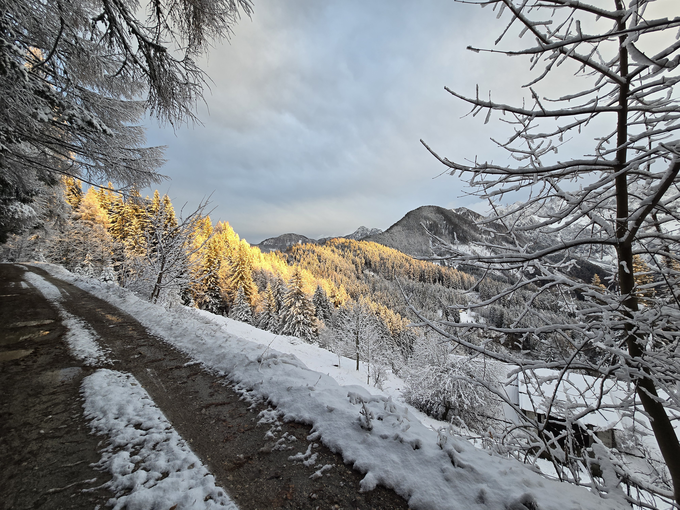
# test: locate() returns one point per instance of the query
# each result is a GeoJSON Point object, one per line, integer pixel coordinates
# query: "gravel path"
{"type": "Point", "coordinates": [45, 438]}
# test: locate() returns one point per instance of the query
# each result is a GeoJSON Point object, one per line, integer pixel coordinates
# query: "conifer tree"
{"type": "Point", "coordinates": [154, 204]}
{"type": "Point", "coordinates": [269, 317]}
{"type": "Point", "coordinates": [298, 317]}
{"type": "Point", "coordinates": [90, 210]}
{"type": "Point", "coordinates": [322, 305]}
{"type": "Point", "coordinates": [107, 197]}
{"type": "Point", "coordinates": [279, 291]}
{"type": "Point", "coordinates": [209, 297]}
{"type": "Point", "coordinates": [169, 217]}
{"type": "Point", "coordinates": [241, 276]}
{"type": "Point", "coordinates": [73, 191]}
{"type": "Point", "coordinates": [241, 311]}
{"type": "Point", "coordinates": [86, 237]}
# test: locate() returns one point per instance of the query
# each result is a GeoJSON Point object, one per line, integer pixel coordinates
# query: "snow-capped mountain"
{"type": "Point", "coordinates": [362, 233]}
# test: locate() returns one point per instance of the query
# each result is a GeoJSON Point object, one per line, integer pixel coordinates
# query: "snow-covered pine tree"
{"type": "Point", "coordinates": [279, 290]}
{"type": "Point", "coordinates": [241, 311]}
{"type": "Point", "coordinates": [323, 306]}
{"type": "Point", "coordinates": [86, 268]}
{"type": "Point", "coordinates": [298, 317]}
{"type": "Point", "coordinates": [108, 275]}
{"type": "Point", "coordinates": [210, 297]}
{"type": "Point", "coordinates": [269, 316]}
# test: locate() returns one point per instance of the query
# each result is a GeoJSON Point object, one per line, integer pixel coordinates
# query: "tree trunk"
{"type": "Point", "coordinates": [357, 345]}
{"type": "Point", "coordinates": [644, 385]}
{"type": "Point", "coordinates": [159, 281]}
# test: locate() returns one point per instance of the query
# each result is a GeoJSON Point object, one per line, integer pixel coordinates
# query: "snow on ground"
{"type": "Point", "coordinates": [152, 466]}
{"type": "Point", "coordinates": [380, 437]}
{"type": "Point", "coordinates": [80, 338]}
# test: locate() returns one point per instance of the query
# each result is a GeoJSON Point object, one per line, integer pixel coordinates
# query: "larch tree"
{"type": "Point", "coordinates": [76, 78]}
{"type": "Point", "coordinates": [242, 274]}
{"type": "Point", "coordinates": [359, 329]}
{"type": "Point", "coordinates": [615, 64]}
{"type": "Point", "coordinates": [166, 266]}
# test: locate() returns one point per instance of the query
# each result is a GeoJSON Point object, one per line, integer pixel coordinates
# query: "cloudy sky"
{"type": "Point", "coordinates": [316, 109]}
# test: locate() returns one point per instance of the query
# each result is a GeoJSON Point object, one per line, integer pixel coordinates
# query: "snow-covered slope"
{"type": "Point", "coordinates": [371, 429]}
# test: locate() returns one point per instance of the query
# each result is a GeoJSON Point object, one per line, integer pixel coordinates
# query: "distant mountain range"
{"type": "Point", "coordinates": [410, 235]}
{"type": "Point", "coordinates": [413, 235]}
{"type": "Point", "coordinates": [285, 241]}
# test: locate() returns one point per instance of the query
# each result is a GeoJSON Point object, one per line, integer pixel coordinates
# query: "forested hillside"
{"type": "Point", "coordinates": [358, 299]}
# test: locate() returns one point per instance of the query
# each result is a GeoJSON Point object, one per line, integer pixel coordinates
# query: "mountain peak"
{"type": "Point", "coordinates": [363, 232]}
{"type": "Point", "coordinates": [283, 242]}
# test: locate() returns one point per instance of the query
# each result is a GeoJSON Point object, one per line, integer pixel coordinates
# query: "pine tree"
{"type": "Point", "coordinates": [269, 317]}
{"type": "Point", "coordinates": [86, 268]}
{"type": "Point", "coordinates": [169, 217]}
{"type": "Point", "coordinates": [279, 291]}
{"type": "Point", "coordinates": [241, 311]}
{"type": "Point", "coordinates": [154, 204]}
{"type": "Point", "coordinates": [322, 305]}
{"type": "Point", "coordinates": [107, 197]}
{"type": "Point", "coordinates": [209, 297]}
{"type": "Point", "coordinates": [298, 317]}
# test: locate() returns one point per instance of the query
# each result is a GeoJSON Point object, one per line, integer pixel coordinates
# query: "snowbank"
{"type": "Point", "coordinates": [152, 466]}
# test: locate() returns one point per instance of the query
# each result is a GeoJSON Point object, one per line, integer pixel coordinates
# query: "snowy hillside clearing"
{"type": "Point", "coordinates": [384, 440]}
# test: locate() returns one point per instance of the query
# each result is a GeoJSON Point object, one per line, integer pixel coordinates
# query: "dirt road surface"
{"type": "Point", "coordinates": [47, 449]}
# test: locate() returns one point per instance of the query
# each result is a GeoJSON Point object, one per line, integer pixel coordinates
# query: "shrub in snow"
{"type": "Point", "coordinates": [455, 390]}
{"type": "Point", "coordinates": [86, 268]}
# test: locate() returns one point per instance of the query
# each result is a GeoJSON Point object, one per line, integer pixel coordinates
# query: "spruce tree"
{"type": "Point", "coordinates": [241, 311]}
{"type": "Point", "coordinates": [298, 317]}
{"type": "Point", "coordinates": [269, 317]}
{"type": "Point", "coordinates": [322, 305]}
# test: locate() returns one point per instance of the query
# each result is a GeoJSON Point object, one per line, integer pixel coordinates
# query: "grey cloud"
{"type": "Point", "coordinates": [315, 114]}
